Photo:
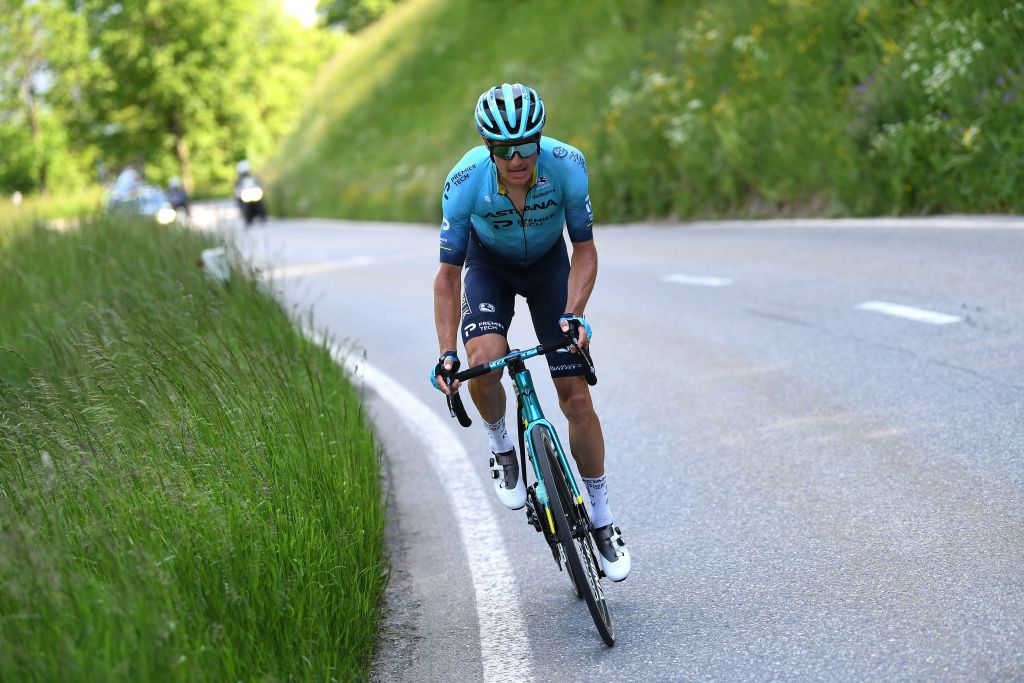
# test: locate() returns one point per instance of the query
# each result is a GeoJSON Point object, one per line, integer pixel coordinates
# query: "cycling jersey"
{"type": "Point", "coordinates": [476, 205]}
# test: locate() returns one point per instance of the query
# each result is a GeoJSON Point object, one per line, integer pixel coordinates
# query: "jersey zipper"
{"type": "Point", "coordinates": [522, 220]}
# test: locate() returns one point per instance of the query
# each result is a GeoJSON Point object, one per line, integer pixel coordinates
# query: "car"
{"type": "Point", "coordinates": [143, 200]}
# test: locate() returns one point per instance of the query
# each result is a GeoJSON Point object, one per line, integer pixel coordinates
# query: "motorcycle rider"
{"type": "Point", "coordinates": [178, 197]}
{"type": "Point", "coordinates": [246, 180]}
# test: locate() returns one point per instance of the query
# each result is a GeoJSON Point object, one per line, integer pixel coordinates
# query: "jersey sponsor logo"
{"type": "Point", "coordinates": [531, 207]}
{"type": "Point", "coordinates": [560, 152]}
{"type": "Point", "coordinates": [578, 158]}
{"type": "Point", "coordinates": [486, 308]}
{"type": "Point", "coordinates": [483, 326]}
{"type": "Point", "coordinates": [542, 205]}
{"type": "Point", "coordinates": [561, 368]}
{"type": "Point", "coordinates": [445, 225]}
{"type": "Point", "coordinates": [461, 176]}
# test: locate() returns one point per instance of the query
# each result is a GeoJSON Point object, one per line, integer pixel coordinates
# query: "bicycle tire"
{"type": "Point", "coordinates": [578, 552]}
{"type": "Point", "coordinates": [576, 589]}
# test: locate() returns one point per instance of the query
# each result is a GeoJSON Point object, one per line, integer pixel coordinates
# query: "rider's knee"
{"type": "Point", "coordinates": [485, 349]}
{"type": "Point", "coordinates": [577, 405]}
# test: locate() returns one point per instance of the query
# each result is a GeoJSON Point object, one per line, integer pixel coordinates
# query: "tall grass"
{"type": "Point", "coordinates": [47, 206]}
{"type": "Point", "coordinates": [188, 490]}
{"type": "Point", "coordinates": [703, 108]}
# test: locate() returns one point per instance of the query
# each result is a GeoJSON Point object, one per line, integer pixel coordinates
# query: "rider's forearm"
{"type": "Point", "coordinates": [582, 276]}
{"type": "Point", "coordinates": [447, 289]}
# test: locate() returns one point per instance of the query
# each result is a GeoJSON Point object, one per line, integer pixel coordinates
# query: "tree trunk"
{"type": "Point", "coordinates": [37, 136]}
{"type": "Point", "coordinates": [181, 152]}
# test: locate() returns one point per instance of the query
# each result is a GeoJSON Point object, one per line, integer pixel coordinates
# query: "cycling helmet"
{"type": "Point", "coordinates": [509, 112]}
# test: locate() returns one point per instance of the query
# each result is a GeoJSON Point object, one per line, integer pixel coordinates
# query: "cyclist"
{"type": "Point", "coordinates": [505, 204]}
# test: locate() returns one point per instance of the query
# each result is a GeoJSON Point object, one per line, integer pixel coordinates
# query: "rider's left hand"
{"type": "Point", "coordinates": [583, 330]}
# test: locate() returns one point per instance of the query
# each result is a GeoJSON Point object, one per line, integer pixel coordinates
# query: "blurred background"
{"type": "Point", "coordinates": [358, 108]}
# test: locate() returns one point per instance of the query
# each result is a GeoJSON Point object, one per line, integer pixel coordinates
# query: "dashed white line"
{"type": "Point", "coordinates": [699, 280]}
{"type": "Point", "coordinates": [918, 314]}
{"type": "Point", "coordinates": [504, 645]}
{"type": "Point", "coordinates": [314, 268]}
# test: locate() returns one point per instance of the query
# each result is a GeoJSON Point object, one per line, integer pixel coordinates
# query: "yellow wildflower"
{"type": "Point", "coordinates": [969, 136]}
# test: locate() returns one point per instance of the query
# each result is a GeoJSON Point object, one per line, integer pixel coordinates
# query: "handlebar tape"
{"type": "Point", "coordinates": [457, 409]}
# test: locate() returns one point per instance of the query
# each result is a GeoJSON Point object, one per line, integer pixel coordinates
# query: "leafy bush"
{"type": "Point", "coordinates": [741, 107]}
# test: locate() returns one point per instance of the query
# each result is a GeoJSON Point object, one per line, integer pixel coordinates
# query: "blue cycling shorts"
{"type": "Point", "coordinates": [489, 296]}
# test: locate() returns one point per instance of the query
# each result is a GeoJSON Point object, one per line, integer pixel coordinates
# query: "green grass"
{"type": "Point", "coordinates": [188, 488]}
{"type": "Point", "coordinates": [703, 108]}
{"type": "Point", "coordinates": [46, 207]}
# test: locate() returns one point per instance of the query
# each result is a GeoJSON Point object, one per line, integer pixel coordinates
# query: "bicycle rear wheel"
{"type": "Point", "coordinates": [573, 534]}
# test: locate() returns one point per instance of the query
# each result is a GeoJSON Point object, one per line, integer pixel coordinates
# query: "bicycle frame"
{"type": "Point", "coordinates": [566, 525]}
{"type": "Point", "coordinates": [532, 417]}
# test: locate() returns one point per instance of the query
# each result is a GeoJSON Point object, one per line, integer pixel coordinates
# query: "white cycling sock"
{"type": "Point", "coordinates": [597, 487]}
{"type": "Point", "coordinates": [501, 442]}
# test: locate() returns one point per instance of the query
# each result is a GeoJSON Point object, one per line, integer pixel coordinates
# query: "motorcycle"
{"type": "Point", "coordinates": [249, 194]}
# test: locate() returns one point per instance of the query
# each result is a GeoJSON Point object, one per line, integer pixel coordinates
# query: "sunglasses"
{"type": "Point", "coordinates": [524, 149]}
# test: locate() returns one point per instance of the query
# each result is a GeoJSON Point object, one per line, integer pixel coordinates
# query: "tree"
{"type": "Point", "coordinates": [42, 44]}
{"type": "Point", "coordinates": [193, 85]}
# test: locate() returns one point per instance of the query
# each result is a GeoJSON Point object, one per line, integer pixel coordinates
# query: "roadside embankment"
{"type": "Point", "coordinates": [188, 487]}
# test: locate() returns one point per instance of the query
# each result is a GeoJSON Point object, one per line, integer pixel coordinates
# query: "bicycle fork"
{"type": "Point", "coordinates": [529, 418]}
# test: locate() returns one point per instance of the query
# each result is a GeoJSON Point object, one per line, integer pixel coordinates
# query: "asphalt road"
{"type": "Point", "coordinates": [813, 485]}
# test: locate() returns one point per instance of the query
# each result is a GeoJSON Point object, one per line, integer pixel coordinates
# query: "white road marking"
{"type": "Point", "coordinates": [909, 312]}
{"type": "Point", "coordinates": [504, 646]}
{"type": "Point", "coordinates": [286, 272]}
{"type": "Point", "coordinates": [888, 223]}
{"type": "Point", "coordinates": [700, 280]}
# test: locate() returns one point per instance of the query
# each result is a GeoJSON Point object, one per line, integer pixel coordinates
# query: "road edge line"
{"type": "Point", "coordinates": [503, 636]}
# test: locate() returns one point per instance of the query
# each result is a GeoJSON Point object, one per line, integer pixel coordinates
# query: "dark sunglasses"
{"type": "Point", "coordinates": [524, 149]}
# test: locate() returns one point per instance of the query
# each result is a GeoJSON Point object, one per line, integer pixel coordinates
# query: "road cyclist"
{"type": "Point", "coordinates": [505, 204]}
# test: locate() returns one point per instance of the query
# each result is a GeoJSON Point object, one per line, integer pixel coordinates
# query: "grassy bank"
{"type": "Point", "coordinates": [742, 107]}
{"type": "Point", "coordinates": [46, 207]}
{"type": "Point", "coordinates": [188, 490]}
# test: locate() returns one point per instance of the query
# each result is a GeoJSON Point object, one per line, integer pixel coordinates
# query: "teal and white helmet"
{"type": "Point", "coordinates": [509, 112]}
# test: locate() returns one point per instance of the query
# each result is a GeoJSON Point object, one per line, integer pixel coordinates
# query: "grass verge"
{"type": "Point", "coordinates": [188, 489]}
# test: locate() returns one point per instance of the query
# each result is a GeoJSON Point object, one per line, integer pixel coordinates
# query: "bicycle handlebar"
{"type": "Point", "coordinates": [455, 405]}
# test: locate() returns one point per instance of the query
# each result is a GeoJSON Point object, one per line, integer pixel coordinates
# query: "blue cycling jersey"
{"type": "Point", "coordinates": [476, 203]}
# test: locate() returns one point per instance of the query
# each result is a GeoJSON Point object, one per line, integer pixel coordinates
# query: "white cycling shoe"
{"type": "Point", "coordinates": [614, 554]}
{"type": "Point", "coordinates": [508, 484]}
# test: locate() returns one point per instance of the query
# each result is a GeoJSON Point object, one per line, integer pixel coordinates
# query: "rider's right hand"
{"type": "Point", "coordinates": [447, 363]}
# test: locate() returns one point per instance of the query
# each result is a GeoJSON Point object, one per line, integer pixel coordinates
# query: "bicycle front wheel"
{"type": "Point", "coordinates": [572, 533]}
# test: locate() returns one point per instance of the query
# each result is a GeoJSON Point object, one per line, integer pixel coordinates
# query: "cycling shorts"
{"type": "Point", "coordinates": [489, 296]}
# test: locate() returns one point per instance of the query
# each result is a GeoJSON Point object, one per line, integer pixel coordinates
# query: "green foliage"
{"type": "Point", "coordinates": [188, 490]}
{"type": "Point", "coordinates": [37, 40]}
{"type": "Point", "coordinates": [191, 86]}
{"type": "Point", "coordinates": [704, 108]}
{"type": "Point", "coordinates": [177, 87]}
{"type": "Point", "coordinates": [355, 15]}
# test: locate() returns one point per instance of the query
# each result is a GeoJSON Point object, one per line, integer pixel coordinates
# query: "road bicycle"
{"type": "Point", "coordinates": [554, 503]}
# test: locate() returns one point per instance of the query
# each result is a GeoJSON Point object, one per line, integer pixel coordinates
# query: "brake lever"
{"type": "Point", "coordinates": [591, 373]}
